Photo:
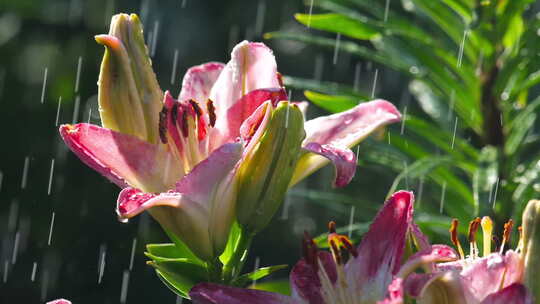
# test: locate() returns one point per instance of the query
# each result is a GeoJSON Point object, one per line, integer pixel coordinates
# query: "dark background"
{"type": "Point", "coordinates": [56, 35]}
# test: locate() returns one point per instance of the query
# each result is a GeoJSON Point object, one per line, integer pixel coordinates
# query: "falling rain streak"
{"type": "Point", "coordinates": [175, 66]}
{"type": "Point", "coordinates": [1, 180]}
{"type": "Point", "coordinates": [102, 253]}
{"type": "Point", "coordinates": [75, 117]}
{"type": "Point", "coordinates": [25, 172]}
{"type": "Point", "coordinates": [454, 134]}
{"type": "Point", "coordinates": [44, 85]}
{"type": "Point", "coordinates": [443, 194]}
{"type": "Point", "coordinates": [79, 65]}
{"type": "Point", "coordinates": [34, 271]}
{"type": "Point", "coordinates": [58, 111]}
{"type": "Point", "coordinates": [495, 193]}
{"type": "Point", "coordinates": [6, 270]}
{"type": "Point", "coordinates": [386, 9]}
{"type": "Point", "coordinates": [257, 262]}
{"type": "Point", "coordinates": [259, 20]}
{"type": "Point", "coordinates": [336, 48]}
{"type": "Point", "coordinates": [51, 172]}
{"type": "Point", "coordinates": [15, 248]}
{"type": "Point", "coordinates": [310, 13]}
{"type": "Point", "coordinates": [403, 120]}
{"type": "Point", "coordinates": [132, 257]}
{"type": "Point", "coordinates": [155, 33]}
{"type": "Point", "coordinates": [374, 83]}
{"type": "Point", "coordinates": [461, 48]}
{"type": "Point", "coordinates": [125, 283]}
{"type": "Point", "coordinates": [351, 221]}
{"type": "Point", "coordinates": [357, 70]}
{"type": "Point", "coordinates": [51, 227]}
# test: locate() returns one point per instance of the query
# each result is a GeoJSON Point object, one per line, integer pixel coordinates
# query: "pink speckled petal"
{"type": "Point", "coordinates": [343, 159]}
{"type": "Point", "coordinates": [305, 279]}
{"type": "Point", "coordinates": [123, 159]}
{"type": "Point", "coordinates": [343, 130]}
{"type": "Point", "coordinates": [381, 249]}
{"type": "Point", "coordinates": [208, 293]}
{"type": "Point", "coordinates": [252, 66]}
{"type": "Point", "coordinates": [199, 80]}
{"type": "Point", "coordinates": [395, 293]}
{"type": "Point", "coordinates": [513, 294]}
{"type": "Point", "coordinates": [426, 257]}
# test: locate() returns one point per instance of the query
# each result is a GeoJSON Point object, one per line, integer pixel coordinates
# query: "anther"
{"type": "Point", "coordinates": [280, 79]}
{"type": "Point", "coordinates": [211, 112]}
{"type": "Point", "coordinates": [473, 228]}
{"type": "Point", "coordinates": [332, 227]}
{"type": "Point", "coordinates": [349, 246]}
{"type": "Point", "coordinates": [309, 250]}
{"type": "Point", "coordinates": [506, 234]}
{"type": "Point", "coordinates": [185, 123]}
{"type": "Point", "coordinates": [487, 232]}
{"type": "Point", "coordinates": [174, 113]}
{"type": "Point", "coordinates": [163, 125]}
{"type": "Point", "coordinates": [454, 237]}
{"type": "Point", "coordinates": [196, 108]}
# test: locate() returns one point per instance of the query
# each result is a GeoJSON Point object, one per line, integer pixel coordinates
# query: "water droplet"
{"type": "Point", "coordinates": [414, 70]}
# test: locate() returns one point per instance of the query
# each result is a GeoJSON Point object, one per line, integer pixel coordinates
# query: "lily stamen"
{"type": "Point", "coordinates": [506, 234]}
{"type": "Point", "coordinates": [487, 231]}
{"type": "Point", "coordinates": [473, 228]}
{"type": "Point", "coordinates": [454, 237]}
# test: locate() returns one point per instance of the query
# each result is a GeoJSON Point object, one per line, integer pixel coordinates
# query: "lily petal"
{"type": "Point", "coordinates": [59, 301]}
{"type": "Point", "coordinates": [305, 280]}
{"type": "Point", "coordinates": [194, 212]}
{"type": "Point", "coordinates": [208, 293]}
{"type": "Point", "coordinates": [252, 66]}
{"type": "Point", "coordinates": [426, 257]}
{"type": "Point", "coordinates": [395, 293]}
{"type": "Point", "coordinates": [124, 159]}
{"type": "Point", "coordinates": [416, 282]}
{"type": "Point", "coordinates": [344, 161]}
{"type": "Point", "coordinates": [198, 81]}
{"type": "Point", "coordinates": [343, 130]}
{"type": "Point", "coordinates": [381, 249]}
{"type": "Point", "coordinates": [513, 294]}
{"type": "Point", "coordinates": [229, 129]}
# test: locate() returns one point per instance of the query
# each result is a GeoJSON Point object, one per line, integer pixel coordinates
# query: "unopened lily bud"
{"type": "Point", "coordinates": [271, 157]}
{"type": "Point", "coordinates": [129, 95]}
{"type": "Point", "coordinates": [531, 247]}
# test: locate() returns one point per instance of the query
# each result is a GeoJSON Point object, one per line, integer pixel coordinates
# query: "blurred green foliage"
{"type": "Point", "coordinates": [469, 141]}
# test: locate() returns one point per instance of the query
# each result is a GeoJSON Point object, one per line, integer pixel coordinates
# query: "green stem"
{"type": "Point", "coordinates": [238, 258]}
{"type": "Point", "coordinates": [215, 269]}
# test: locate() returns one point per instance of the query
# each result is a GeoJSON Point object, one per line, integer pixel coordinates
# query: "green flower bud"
{"type": "Point", "coordinates": [531, 247]}
{"type": "Point", "coordinates": [266, 171]}
{"type": "Point", "coordinates": [129, 95]}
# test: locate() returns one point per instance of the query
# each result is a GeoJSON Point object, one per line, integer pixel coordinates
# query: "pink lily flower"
{"type": "Point", "coordinates": [491, 279]}
{"type": "Point", "coordinates": [373, 274]}
{"type": "Point", "coordinates": [179, 159]}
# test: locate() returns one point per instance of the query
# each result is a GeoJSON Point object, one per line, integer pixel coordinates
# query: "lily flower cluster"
{"type": "Point", "coordinates": [225, 151]}
{"type": "Point", "coordinates": [377, 271]}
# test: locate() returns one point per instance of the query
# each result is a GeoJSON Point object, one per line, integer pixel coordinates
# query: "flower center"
{"type": "Point", "coordinates": [184, 128]}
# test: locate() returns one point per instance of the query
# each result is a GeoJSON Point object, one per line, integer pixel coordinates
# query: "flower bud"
{"type": "Point", "coordinates": [531, 247]}
{"type": "Point", "coordinates": [266, 171]}
{"type": "Point", "coordinates": [129, 94]}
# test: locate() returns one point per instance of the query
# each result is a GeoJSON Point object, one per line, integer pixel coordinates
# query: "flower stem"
{"type": "Point", "coordinates": [238, 258]}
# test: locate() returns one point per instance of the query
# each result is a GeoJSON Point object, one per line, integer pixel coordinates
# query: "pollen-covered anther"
{"type": "Point", "coordinates": [506, 234]}
{"type": "Point", "coordinates": [454, 237]}
{"type": "Point", "coordinates": [211, 112]}
{"type": "Point", "coordinates": [473, 228]}
{"type": "Point", "coordinates": [487, 232]}
{"type": "Point", "coordinates": [340, 245]}
{"type": "Point", "coordinates": [163, 125]}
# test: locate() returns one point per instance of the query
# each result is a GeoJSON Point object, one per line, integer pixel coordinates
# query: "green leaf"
{"type": "Point", "coordinates": [257, 275]}
{"type": "Point", "coordinates": [485, 179]}
{"type": "Point", "coordinates": [326, 87]}
{"type": "Point", "coordinates": [234, 235]}
{"type": "Point", "coordinates": [331, 103]}
{"type": "Point", "coordinates": [518, 134]}
{"type": "Point", "coordinates": [179, 275]}
{"type": "Point", "coordinates": [338, 24]}
{"type": "Point", "coordinates": [514, 31]}
{"type": "Point", "coordinates": [420, 168]}
{"type": "Point", "coordinates": [183, 249]}
{"type": "Point", "coordinates": [279, 286]}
